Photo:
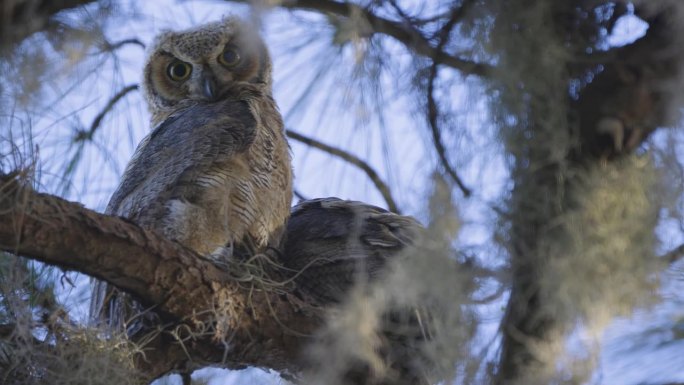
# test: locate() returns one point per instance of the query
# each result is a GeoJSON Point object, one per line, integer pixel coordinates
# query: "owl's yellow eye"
{"type": "Point", "coordinates": [230, 57]}
{"type": "Point", "coordinates": [179, 70]}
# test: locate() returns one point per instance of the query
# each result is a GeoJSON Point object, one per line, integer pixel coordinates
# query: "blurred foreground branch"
{"type": "Point", "coordinates": [20, 18]}
{"type": "Point", "coordinates": [675, 255]}
{"type": "Point", "coordinates": [574, 158]}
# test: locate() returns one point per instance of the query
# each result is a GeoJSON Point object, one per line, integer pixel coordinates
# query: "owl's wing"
{"type": "Point", "coordinates": [174, 155]}
{"type": "Point", "coordinates": [179, 150]}
{"type": "Point", "coordinates": [335, 242]}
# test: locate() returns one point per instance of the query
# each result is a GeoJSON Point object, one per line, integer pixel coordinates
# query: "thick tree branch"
{"type": "Point", "coordinates": [354, 160]}
{"type": "Point", "coordinates": [189, 292]}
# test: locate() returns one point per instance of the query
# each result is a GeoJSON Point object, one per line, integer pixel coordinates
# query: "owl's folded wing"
{"type": "Point", "coordinates": [180, 150]}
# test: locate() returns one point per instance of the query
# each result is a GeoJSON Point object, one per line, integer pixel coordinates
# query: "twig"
{"type": "Point", "coordinates": [400, 11]}
{"type": "Point", "coordinates": [299, 195]}
{"type": "Point", "coordinates": [82, 135]}
{"type": "Point", "coordinates": [10, 331]}
{"type": "Point", "coordinates": [107, 46]}
{"type": "Point", "coordinates": [674, 255]}
{"type": "Point", "coordinates": [353, 159]}
{"type": "Point", "coordinates": [433, 111]}
{"type": "Point", "coordinates": [407, 35]}
{"type": "Point", "coordinates": [456, 15]}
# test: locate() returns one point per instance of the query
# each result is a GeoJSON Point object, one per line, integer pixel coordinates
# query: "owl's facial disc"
{"type": "Point", "coordinates": [206, 63]}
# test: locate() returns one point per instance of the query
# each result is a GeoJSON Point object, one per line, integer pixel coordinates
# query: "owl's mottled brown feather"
{"type": "Point", "coordinates": [340, 242]}
{"type": "Point", "coordinates": [216, 139]}
{"type": "Point", "coordinates": [334, 244]}
{"type": "Point", "coordinates": [215, 171]}
{"type": "Point", "coordinates": [216, 189]}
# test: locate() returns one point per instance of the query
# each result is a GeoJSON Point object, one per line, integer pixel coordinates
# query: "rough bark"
{"type": "Point", "coordinates": [223, 321]}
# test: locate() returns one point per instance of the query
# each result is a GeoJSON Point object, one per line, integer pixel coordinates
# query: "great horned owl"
{"type": "Point", "coordinates": [215, 170]}
{"type": "Point", "coordinates": [333, 245]}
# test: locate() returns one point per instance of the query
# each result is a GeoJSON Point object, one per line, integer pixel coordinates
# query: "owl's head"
{"type": "Point", "coordinates": [204, 63]}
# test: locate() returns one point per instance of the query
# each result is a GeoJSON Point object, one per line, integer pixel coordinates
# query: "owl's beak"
{"type": "Point", "coordinates": [209, 87]}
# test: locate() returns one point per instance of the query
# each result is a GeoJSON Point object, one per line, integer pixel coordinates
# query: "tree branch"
{"type": "Point", "coordinates": [634, 92]}
{"type": "Point", "coordinates": [354, 160]}
{"type": "Point", "coordinates": [20, 18]}
{"type": "Point", "coordinates": [189, 291]}
{"type": "Point", "coordinates": [402, 32]}
{"type": "Point", "coordinates": [88, 135]}
{"type": "Point", "coordinates": [432, 109]}
{"type": "Point", "coordinates": [107, 46]}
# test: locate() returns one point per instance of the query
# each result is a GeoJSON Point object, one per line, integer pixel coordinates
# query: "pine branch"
{"type": "Point", "coordinates": [673, 256]}
{"type": "Point", "coordinates": [190, 292]}
{"type": "Point", "coordinates": [400, 31]}
{"type": "Point", "coordinates": [88, 135]}
{"type": "Point", "coordinates": [432, 109]}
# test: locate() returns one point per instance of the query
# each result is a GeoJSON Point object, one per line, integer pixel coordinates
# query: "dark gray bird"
{"type": "Point", "coordinates": [332, 245]}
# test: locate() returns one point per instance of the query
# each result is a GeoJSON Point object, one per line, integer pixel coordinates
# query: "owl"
{"type": "Point", "coordinates": [332, 245]}
{"type": "Point", "coordinates": [215, 171]}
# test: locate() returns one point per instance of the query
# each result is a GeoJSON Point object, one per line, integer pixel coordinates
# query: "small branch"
{"type": "Point", "coordinates": [433, 110]}
{"type": "Point", "coordinates": [88, 135]}
{"type": "Point", "coordinates": [400, 11]}
{"type": "Point", "coordinates": [456, 15]}
{"type": "Point", "coordinates": [407, 35]}
{"type": "Point", "coordinates": [299, 195]}
{"type": "Point", "coordinates": [354, 160]}
{"type": "Point", "coordinates": [107, 46]}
